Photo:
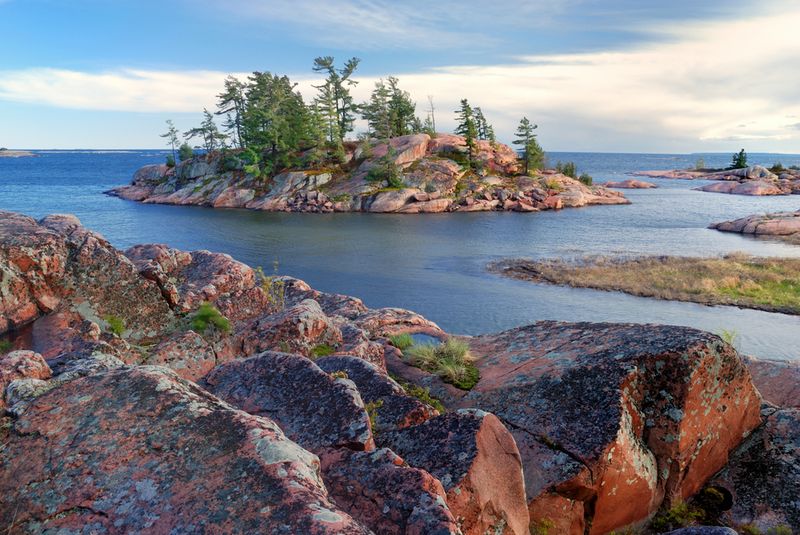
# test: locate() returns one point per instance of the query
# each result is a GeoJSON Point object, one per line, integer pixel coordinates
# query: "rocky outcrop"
{"type": "Point", "coordinates": [611, 420]}
{"type": "Point", "coordinates": [434, 176]}
{"type": "Point", "coordinates": [6, 153]}
{"type": "Point", "coordinates": [764, 475]}
{"type": "Point", "coordinates": [159, 455]}
{"type": "Point", "coordinates": [630, 184]}
{"type": "Point", "coordinates": [584, 427]}
{"type": "Point", "coordinates": [753, 180]}
{"type": "Point", "coordinates": [778, 381]}
{"type": "Point", "coordinates": [780, 225]}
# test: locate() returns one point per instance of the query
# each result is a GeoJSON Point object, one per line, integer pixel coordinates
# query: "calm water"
{"type": "Point", "coordinates": [435, 264]}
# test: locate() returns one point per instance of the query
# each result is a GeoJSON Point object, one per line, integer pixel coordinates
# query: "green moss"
{"type": "Point", "coordinates": [450, 360]}
{"type": "Point", "coordinates": [401, 341]}
{"type": "Point", "coordinates": [321, 350]}
{"type": "Point", "coordinates": [207, 317]}
{"type": "Point", "coordinates": [541, 526]}
{"type": "Point", "coordinates": [372, 410]}
{"type": "Point", "coordinates": [116, 325]}
{"type": "Point", "coordinates": [5, 346]}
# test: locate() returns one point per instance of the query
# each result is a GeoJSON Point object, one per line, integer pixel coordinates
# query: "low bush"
{"type": "Point", "coordinates": [116, 325]}
{"type": "Point", "coordinates": [586, 179]}
{"type": "Point", "coordinates": [777, 168]}
{"type": "Point", "coordinates": [185, 152]}
{"type": "Point", "coordinates": [170, 160]}
{"type": "Point", "coordinates": [450, 360]}
{"type": "Point", "coordinates": [273, 286]}
{"type": "Point", "coordinates": [568, 168]}
{"type": "Point", "coordinates": [207, 317]}
{"type": "Point", "coordinates": [401, 341]}
{"type": "Point", "coordinates": [678, 516]}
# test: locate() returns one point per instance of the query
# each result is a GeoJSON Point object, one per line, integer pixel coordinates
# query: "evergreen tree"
{"type": "Point", "coordinates": [739, 160]}
{"type": "Point", "coordinates": [402, 110]}
{"type": "Point", "coordinates": [276, 121]}
{"type": "Point", "coordinates": [377, 111]}
{"type": "Point", "coordinates": [171, 135]}
{"type": "Point", "coordinates": [466, 127]}
{"type": "Point", "coordinates": [208, 132]}
{"type": "Point", "coordinates": [334, 95]}
{"type": "Point", "coordinates": [431, 120]}
{"type": "Point", "coordinates": [524, 137]}
{"type": "Point", "coordinates": [485, 130]}
{"type": "Point", "coordinates": [231, 103]}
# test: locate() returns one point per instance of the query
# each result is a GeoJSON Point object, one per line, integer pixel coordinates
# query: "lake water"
{"type": "Point", "coordinates": [435, 264]}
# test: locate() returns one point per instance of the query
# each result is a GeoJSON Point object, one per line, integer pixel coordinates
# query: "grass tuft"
{"type": "Point", "coordinates": [116, 325]}
{"type": "Point", "coordinates": [321, 350]}
{"type": "Point", "coordinates": [401, 341]}
{"type": "Point", "coordinates": [208, 317]}
{"type": "Point", "coordinates": [450, 360]}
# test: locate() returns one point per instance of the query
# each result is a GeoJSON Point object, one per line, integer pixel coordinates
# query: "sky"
{"type": "Point", "coordinates": [595, 75]}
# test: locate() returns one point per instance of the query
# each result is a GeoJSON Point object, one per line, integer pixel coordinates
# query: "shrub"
{"type": "Point", "coordinates": [116, 325]}
{"type": "Point", "coordinates": [372, 410]}
{"type": "Point", "coordinates": [777, 168]}
{"type": "Point", "coordinates": [207, 317]}
{"type": "Point", "coordinates": [231, 162]}
{"type": "Point", "coordinates": [430, 188]}
{"type": "Point", "coordinates": [401, 341]}
{"type": "Point", "coordinates": [568, 168]}
{"type": "Point", "coordinates": [249, 156]}
{"type": "Point", "coordinates": [542, 526]}
{"type": "Point", "coordinates": [274, 288]}
{"type": "Point", "coordinates": [342, 197]}
{"type": "Point", "coordinates": [450, 360]}
{"type": "Point", "coordinates": [553, 184]}
{"type": "Point", "coordinates": [386, 169]}
{"type": "Point", "coordinates": [170, 160]}
{"type": "Point", "coordinates": [586, 179]}
{"type": "Point", "coordinates": [739, 160]}
{"type": "Point", "coordinates": [679, 516]}
{"type": "Point", "coordinates": [321, 350]}
{"type": "Point", "coordinates": [185, 152]}
{"type": "Point", "coordinates": [5, 346]}
{"type": "Point", "coordinates": [729, 337]}
{"type": "Point", "coordinates": [424, 395]}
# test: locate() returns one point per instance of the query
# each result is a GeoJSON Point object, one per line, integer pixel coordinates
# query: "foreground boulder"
{"type": "Point", "coordinates": [611, 420]}
{"type": "Point", "coordinates": [475, 457]}
{"type": "Point", "coordinates": [182, 462]}
{"type": "Point", "coordinates": [21, 365]}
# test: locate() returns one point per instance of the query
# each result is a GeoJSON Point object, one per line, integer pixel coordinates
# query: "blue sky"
{"type": "Point", "coordinates": [615, 75]}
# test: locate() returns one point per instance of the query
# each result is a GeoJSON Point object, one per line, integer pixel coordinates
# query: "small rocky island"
{"type": "Point", "coordinates": [753, 180]}
{"type": "Point", "coordinates": [174, 392]}
{"type": "Point", "coordinates": [430, 177]}
{"type": "Point", "coordinates": [781, 225]}
{"type": "Point", "coordinates": [8, 153]}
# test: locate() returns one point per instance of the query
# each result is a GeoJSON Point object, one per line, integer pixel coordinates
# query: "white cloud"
{"type": "Point", "coordinates": [690, 90]}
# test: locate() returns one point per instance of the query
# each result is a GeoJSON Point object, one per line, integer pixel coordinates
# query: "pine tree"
{"type": "Point", "coordinates": [231, 103]}
{"type": "Point", "coordinates": [335, 95]}
{"type": "Point", "coordinates": [525, 137]}
{"type": "Point", "coordinates": [466, 127]}
{"type": "Point", "coordinates": [377, 113]}
{"type": "Point", "coordinates": [402, 110]}
{"type": "Point", "coordinates": [739, 160]}
{"type": "Point", "coordinates": [208, 132]}
{"type": "Point", "coordinates": [485, 130]}
{"type": "Point", "coordinates": [171, 135]}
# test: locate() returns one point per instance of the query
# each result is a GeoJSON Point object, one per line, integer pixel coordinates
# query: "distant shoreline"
{"type": "Point", "coordinates": [6, 153]}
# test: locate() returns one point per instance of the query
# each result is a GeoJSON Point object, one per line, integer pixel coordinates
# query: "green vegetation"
{"type": "Point", "coordinates": [5, 346]}
{"type": "Point", "coordinates": [739, 160]}
{"type": "Point", "coordinates": [552, 184]}
{"type": "Point", "coordinates": [390, 111]}
{"type": "Point", "coordinates": [387, 170]}
{"type": "Point", "coordinates": [484, 129]}
{"type": "Point", "coordinates": [171, 135]}
{"type": "Point", "coordinates": [586, 179]}
{"type": "Point", "coordinates": [450, 360]}
{"type": "Point", "coordinates": [321, 350]}
{"type": "Point", "coordinates": [116, 325]}
{"type": "Point", "coordinates": [771, 284]}
{"type": "Point", "coordinates": [678, 516]}
{"type": "Point", "coordinates": [207, 317]}
{"type": "Point", "coordinates": [777, 168]}
{"type": "Point", "coordinates": [340, 374]}
{"type": "Point", "coordinates": [401, 341]}
{"type": "Point", "coordinates": [752, 529]}
{"type": "Point", "coordinates": [729, 337]}
{"type": "Point", "coordinates": [700, 164]}
{"type": "Point", "coordinates": [532, 153]}
{"type": "Point", "coordinates": [568, 168]}
{"type": "Point", "coordinates": [372, 410]}
{"type": "Point", "coordinates": [422, 394]}
{"type": "Point", "coordinates": [273, 287]}
{"type": "Point", "coordinates": [468, 128]}
{"type": "Point", "coordinates": [542, 526]}
{"type": "Point", "coordinates": [185, 152]}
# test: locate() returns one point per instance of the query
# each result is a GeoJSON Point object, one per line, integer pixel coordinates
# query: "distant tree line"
{"type": "Point", "coordinates": [267, 120]}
